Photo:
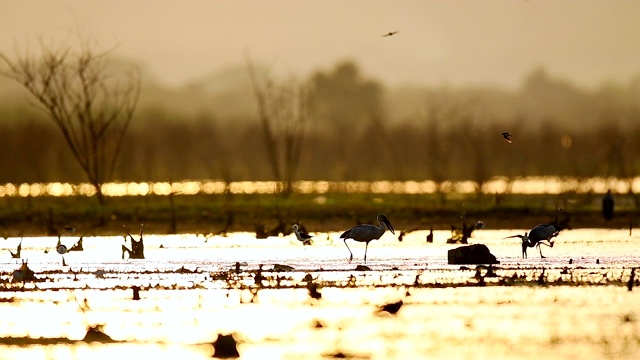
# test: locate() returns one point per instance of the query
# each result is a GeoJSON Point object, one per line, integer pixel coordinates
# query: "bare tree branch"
{"type": "Point", "coordinates": [284, 112]}
{"type": "Point", "coordinates": [91, 108]}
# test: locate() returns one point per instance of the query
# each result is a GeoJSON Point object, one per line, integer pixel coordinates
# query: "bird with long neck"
{"type": "Point", "coordinates": [366, 233]}
{"type": "Point", "coordinates": [539, 235]}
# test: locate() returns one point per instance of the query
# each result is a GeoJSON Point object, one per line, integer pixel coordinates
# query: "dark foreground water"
{"type": "Point", "coordinates": [574, 304]}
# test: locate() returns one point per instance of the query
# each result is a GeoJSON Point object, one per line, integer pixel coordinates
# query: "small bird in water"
{"type": "Point", "coordinates": [302, 236]}
{"type": "Point", "coordinates": [507, 136]}
{"type": "Point", "coordinates": [390, 33]}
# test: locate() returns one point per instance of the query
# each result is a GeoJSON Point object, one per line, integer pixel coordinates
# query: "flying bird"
{"type": "Point", "coordinates": [302, 236]}
{"type": "Point", "coordinates": [539, 235]}
{"type": "Point", "coordinates": [366, 233]}
{"type": "Point", "coordinates": [390, 33]}
{"type": "Point", "coordinates": [507, 136]}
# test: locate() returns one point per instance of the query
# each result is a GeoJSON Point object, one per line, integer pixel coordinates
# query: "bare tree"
{"type": "Point", "coordinates": [474, 138]}
{"type": "Point", "coordinates": [437, 150]}
{"type": "Point", "coordinates": [284, 112]}
{"type": "Point", "coordinates": [91, 107]}
{"type": "Point", "coordinates": [619, 151]}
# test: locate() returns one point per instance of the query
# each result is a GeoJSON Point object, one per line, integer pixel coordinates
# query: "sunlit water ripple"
{"type": "Point", "coordinates": [583, 310]}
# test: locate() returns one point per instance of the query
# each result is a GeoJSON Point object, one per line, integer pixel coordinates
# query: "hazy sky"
{"type": "Point", "coordinates": [457, 42]}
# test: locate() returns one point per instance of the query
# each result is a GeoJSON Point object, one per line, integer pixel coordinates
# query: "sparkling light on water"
{"type": "Point", "coordinates": [527, 185]}
{"type": "Point", "coordinates": [182, 307]}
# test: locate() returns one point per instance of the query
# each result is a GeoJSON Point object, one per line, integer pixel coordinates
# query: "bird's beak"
{"type": "Point", "coordinates": [514, 236]}
{"type": "Point", "coordinates": [386, 221]}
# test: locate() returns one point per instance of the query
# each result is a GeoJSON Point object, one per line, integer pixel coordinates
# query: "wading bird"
{"type": "Point", "coordinates": [302, 236]}
{"type": "Point", "coordinates": [390, 33]}
{"type": "Point", "coordinates": [539, 235]}
{"type": "Point", "coordinates": [367, 232]}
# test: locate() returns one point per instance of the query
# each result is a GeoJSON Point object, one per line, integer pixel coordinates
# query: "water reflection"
{"type": "Point", "coordinates": [185, 302]}
{"type": "Point", "coordinates": [525, 185]}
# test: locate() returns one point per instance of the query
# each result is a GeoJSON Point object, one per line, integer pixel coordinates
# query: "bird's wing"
{"type": "Point", "coordinates": [356, 231]}
{"type": "Point", "coordinates": [348, 234]}
{"type": "Point", "coordinates": [543, 232]}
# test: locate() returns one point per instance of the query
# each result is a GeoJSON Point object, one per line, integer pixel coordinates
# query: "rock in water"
{"type": "Point", "coordinates": [282, 268]}
{"type": "Point", "coordinates": [363, 268]}
{"type": "Point", "coordinates": [225, 347]}
{"type": "Point", "coordinates": [95, 334]}
{"type": "Point", "coordinates": [471, 254]}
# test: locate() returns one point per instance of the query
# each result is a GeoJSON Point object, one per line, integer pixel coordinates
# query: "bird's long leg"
{"type": "Point", "coordinates": [365, 252]}
{"type": "Point", "coordinates": [543, 243]}
{"type": "Point", "coordinates": [351, 257]}
{"type": "Point", "coordinates": [540, 249]}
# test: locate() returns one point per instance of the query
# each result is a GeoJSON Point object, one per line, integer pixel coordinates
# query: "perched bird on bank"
{"type": "Point", "coordinates": [430, 236]}
{"type": "Point", "coordinates": [607, 206]}
{"type": "Point", "coordinates": [390, 33]}
{"type": "Point", "coordinates": [507, 136]}
{"type": "Point", "coordinates": [366, 233]}
{"type": "Point", "coordinates": [302, 236]}
{"type": "Point", "coordinates": [539, 235]}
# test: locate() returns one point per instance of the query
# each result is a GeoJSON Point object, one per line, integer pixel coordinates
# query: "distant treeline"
{"type": "Point", "coordinates": [359, 130]}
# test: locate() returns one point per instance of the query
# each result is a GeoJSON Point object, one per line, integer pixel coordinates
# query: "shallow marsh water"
{"type": "Point", "coordinates": [581, 310]}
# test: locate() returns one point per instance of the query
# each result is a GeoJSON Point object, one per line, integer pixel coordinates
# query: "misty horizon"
{"type": "Point", "coordinates": [462, 44]}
